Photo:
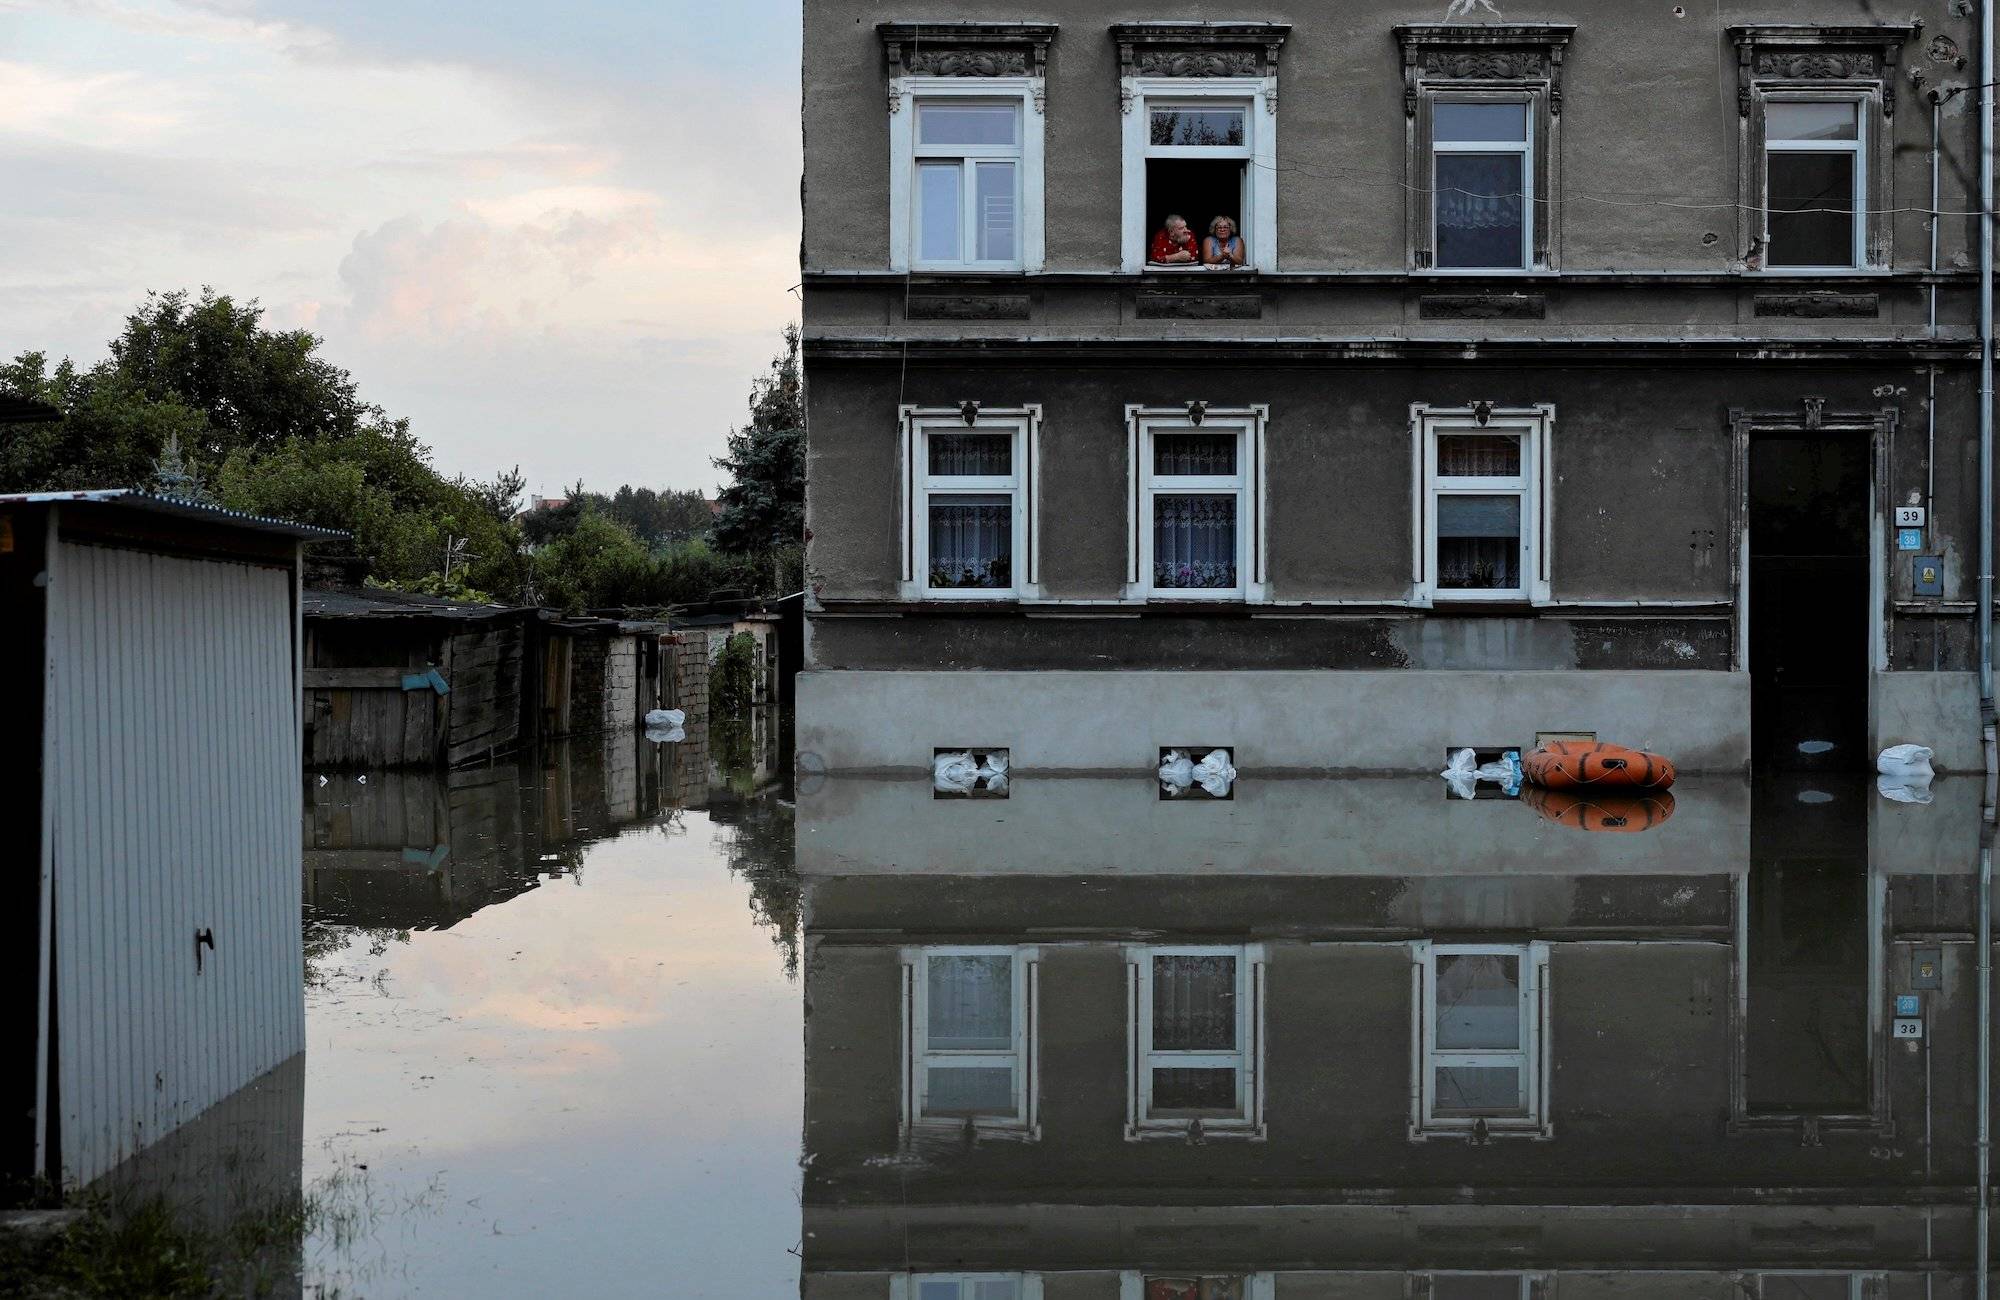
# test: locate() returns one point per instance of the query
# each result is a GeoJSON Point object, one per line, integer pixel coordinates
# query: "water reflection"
{"type": "Point", "coordinates": [1349, 1039]}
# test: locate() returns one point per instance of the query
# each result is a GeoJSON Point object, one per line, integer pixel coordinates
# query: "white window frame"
{"type": "Point", "coordinates": [1247, 1060]}
{"type": "Point", "coordinates": [1024, 484]}
{"type": "Point", "coordinates": [1248, 483]}
{"type": "Point", "coordinates": [1535, 425]}
{"type": "Point", "coordinates": [905, 1286]}
{"type": "Point", "coordinates": [1524, 149]}
{"type": "Point", "coordinates": [907, 93]}
{"type": "Point", "coordinates": [1257, 1286]}
{"type": "Point", "coordinates": [1259, 97]}
{"type": "Point", "coordinates": [1857, 148]}
{"type": "Point", "coordinates": [1022, 1054]}
{"type": "Point", "coordinates": [1860, 1285]}
{"type": "Point", "coordinates": [1533, 1054]}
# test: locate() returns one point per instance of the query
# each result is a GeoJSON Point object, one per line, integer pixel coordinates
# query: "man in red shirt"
{"type": "Point", "coordinates": [1174, 245]}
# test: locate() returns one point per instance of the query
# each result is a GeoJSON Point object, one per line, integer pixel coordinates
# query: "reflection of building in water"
{"type": "Point", "coordinates": [1348, 1039]}
{"type": "Point", "coordinates": [420, 850]}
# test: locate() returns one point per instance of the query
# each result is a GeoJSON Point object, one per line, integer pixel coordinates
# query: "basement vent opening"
{"type": "Point", "coordinates": [1197, 772]}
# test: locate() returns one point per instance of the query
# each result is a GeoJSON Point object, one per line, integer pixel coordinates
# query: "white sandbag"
{"type": "Point", "coordinates": [993, 770]}
{"type": "Point", "coordinates": [665, 735]}
{"type": "Point", "coordinates": [1904, 791]}
{"type": "Point", "coordinates": [1214, 773]}
{"type": "Point", "coordinates": [1459, 762]}
{"type": "Point", "coordinates": [661, 719]}
{"type": "Point", "coordinates": [1176, 771]}
{"type": "Point", "coordinates": [954, 773]}
{"type": "Point", "coordinates": [1905, 762]}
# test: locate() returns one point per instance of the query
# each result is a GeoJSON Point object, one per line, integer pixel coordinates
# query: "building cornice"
{"type": "Point", "coordinates": [953, 49]}
{"type": "Point", "coordinates": [1483, 53]}
{"type": "Point", "coordinates": [1170, 49]}
{"type": "Point", "coordinates": [1279, 350]}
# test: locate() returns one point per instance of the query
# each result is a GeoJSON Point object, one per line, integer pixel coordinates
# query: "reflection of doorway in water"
{"type": "Point", "coordinates": [1808, 954]}
{"type": "Point", "coordinates": [1808, 615]}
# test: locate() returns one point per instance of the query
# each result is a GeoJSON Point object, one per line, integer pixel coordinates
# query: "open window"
{"type": "Point", "coordinates": [1484, 106]}
{"type": "Point", "coordinates": [1197, 503]}
{"type": "Point", "coordinates": [1479, 1055]}
{"type": "Point", "coordinates": [1196, 1041]}
{"type": "Point", "coordinates": [1816, 105]}
{"type": "Point", "coordinates": [1200, 103]}
{"type": "Point", "coordinates": [970, 481]}
{"type": "Point", "coordinates": [965, 145]}
{"type": "Point", "coordinates": [969, 1040]}
{"type": "Point", "coordinates": [1482, 512]}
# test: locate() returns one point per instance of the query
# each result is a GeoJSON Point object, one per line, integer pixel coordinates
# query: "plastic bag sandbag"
{"type": "Point", "coordinates": [1902, 791]}
{"type": "Point", "coordinates": [1214, 773]}
{"type": "Point", "coordinates": [1176, 771]}
{"type": "Point", "coordinates": [665, 735]}
{"type": "Point", "coordinates": [661, 719]}
{"type": "Point", "coordinates": [993, 771]}
{"type": "Point", "coordinates": [1906, 763]}
{"type": "Point", "coordinates": [1458, 763]}
{"type": "Point", "coordinates": [954, 773]}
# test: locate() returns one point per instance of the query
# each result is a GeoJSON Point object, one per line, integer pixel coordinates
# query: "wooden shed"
{"type": "Point", "coordinates": [395, 679]}
{"type": "Point", "coordinates": [151, 796]}
{"type": "Point", "coordinates": [599, 674]}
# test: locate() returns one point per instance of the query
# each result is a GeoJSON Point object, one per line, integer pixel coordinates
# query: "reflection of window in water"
{"type": "Point", "coordinates": [1819, 1286]}
{"type": "Point", "coordinates": [1806, 1027]}
{"type": "Point", "coordinates": [1476, 1286]}
{"type": "Point", "coordinates": [1196, 1038]}
{"type": "Point", "coordinates": [1481, 1012]}
{"type": "Point", "coordinates": [1194, 1286]}
{"type": "Point", "coordinates": [969, 1028]}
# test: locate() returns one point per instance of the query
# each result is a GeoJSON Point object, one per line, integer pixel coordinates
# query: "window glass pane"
{"type": "Point", "coordinates": [1480, 122]}
{"type": "Point", "coordinates": [971, 1003]}
{"type": "Point", "coordinates": [1479, 542]}
{"type": "Point", "coordinates": [1194, 1288]}
{"type": "Point", "coordinates": [1203, 1090]}
{"type": "Point", "coordinates": [1812, 209]}
{"type": "Point", "coordinates": [1479, 210]}
{"type": "Point", "coordinates": [1476, 1286]}
{"type": "Point", "coordinates": [1194, 1003]}
{"type": "Point", "coordinates": [988, 455]}
{"type": "Point", "coordinates": [993, 197]}
{"type": "Point", "coordinates": [997, 1288]}
{"type": "Point", "coordinates": [937, 1290]}
{"type": "Point", "coordinates": [1194, 541]}
{"type": "Point", "coordinates": [937, 212]}
{"type": "Point", "coordinates": [972, 540]}
{"type": "Point", "coordinates": [981, 1090]}
{"type": "Point", "coordinates": [1197, 126]}
{"type": "Point", "coordinates": [1478, 1001]}
{"type": "Point", "coordinates": [1469, 1090]}
{"type": "Point", "coordinates": [1784, 121]}
{"type": "Point", "coordinates": [1211, 455]}
{"type": "Point", "coordinates": [968, 124]}
{"type": "Point", "coordinates": [1479, 455]}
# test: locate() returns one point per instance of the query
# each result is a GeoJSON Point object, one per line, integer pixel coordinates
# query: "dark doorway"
{"type": "Point", "coordinates": [1198, 189]}
{"type": "Point", "coordinates": [1808, 524]}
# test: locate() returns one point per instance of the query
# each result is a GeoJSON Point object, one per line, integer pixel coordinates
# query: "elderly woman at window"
{"type": "Point", "coordinates": [1173, 244]}
{"type": "Point", "coordinates": [1223, 247]}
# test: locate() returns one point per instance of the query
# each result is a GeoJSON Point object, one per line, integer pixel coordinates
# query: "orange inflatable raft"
{"type": "Point", "coordinates": [1618, 812]}
{"type": "Point", "coordinates": [1594, 765]}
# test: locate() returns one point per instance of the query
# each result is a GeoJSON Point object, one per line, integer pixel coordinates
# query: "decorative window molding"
{"type": "Point", "coordinates": [1455, 493]}
{"type": "Point", "coordinates": [1199, 66]}
{"type": "Point", "coordinates": [1479, 1040]}
{"type": "Point", "coordinates": [970, 1014]}
{"type": "Point", "coordinates": [1487, 63]}
{"type": "Point", "coordinates": [947, 466]}
{"type": "Point", "coordinates": [1156, 484]}
{"type": "Point", "coordinates": [1783, 63]}
{"type": "Point", "coordinates": [1195, 1284]}
{"type": "Point", "coordinates": [1468, 1285]}
{"type": "Point", "coordinates": [965, 1286]}
{"type": "Point", "coordinates": [1195, 1047]}
{"type": "Point", "coordinates": [946, 65]}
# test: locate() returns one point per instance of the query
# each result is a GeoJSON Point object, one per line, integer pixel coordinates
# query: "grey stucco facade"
{"type": "Point", "coordinates": [1646, 327]}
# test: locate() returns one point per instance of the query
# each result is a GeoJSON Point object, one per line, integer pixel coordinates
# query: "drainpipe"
{"type": "Point", "coordinates": [1985, 593]}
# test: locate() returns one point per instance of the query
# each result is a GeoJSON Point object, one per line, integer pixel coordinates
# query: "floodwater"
{"type": "Point", "coordinates": [553, 1026]}
{"type": "Point", "coordinates": [637, 1020]}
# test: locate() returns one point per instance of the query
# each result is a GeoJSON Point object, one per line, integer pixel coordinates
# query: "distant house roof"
{"type": "Point", "coordinates": [379, 602]}
{"type": "Point", "coordinates": [26, 410]}
{"type": "Point", "coordinates": [133, 499]}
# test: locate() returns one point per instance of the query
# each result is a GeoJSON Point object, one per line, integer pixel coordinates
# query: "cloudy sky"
{"type": "Point", "coordinates": [558, 235]}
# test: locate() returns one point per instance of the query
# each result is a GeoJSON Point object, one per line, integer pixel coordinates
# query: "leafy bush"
{"type": "Point", "coordinates": [732, 678]}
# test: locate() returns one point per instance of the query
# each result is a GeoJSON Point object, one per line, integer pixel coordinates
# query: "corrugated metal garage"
{"type": "Point", "coordinates": [168, 953]}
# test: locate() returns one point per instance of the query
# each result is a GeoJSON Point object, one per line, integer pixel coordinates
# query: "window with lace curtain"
{"type": "Point", "coordinates": [1196, 504]}
{"type": "Point", "coordinates": [969, 1030]}
{"type": "Point", "coordinates": [1480, 1039]}
{"type": "Point", "coordinates": [968, 526]}
{"type": "Point", "coordinates": [1482, 513]}
{"type": "Point", "coordinates": [1197, 1040]}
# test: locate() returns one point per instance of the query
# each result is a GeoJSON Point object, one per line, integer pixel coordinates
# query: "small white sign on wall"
{"type": "Point", "coordinates": [1909, 516]}
{"type": "Point", "coordinates": [1909, 1027]}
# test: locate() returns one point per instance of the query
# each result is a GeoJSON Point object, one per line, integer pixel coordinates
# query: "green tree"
{"type": "Point", "coordinates": [764, 506]}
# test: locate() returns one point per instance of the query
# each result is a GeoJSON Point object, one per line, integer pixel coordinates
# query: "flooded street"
{"type": "Point", "coordinates": [562, 1053]}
